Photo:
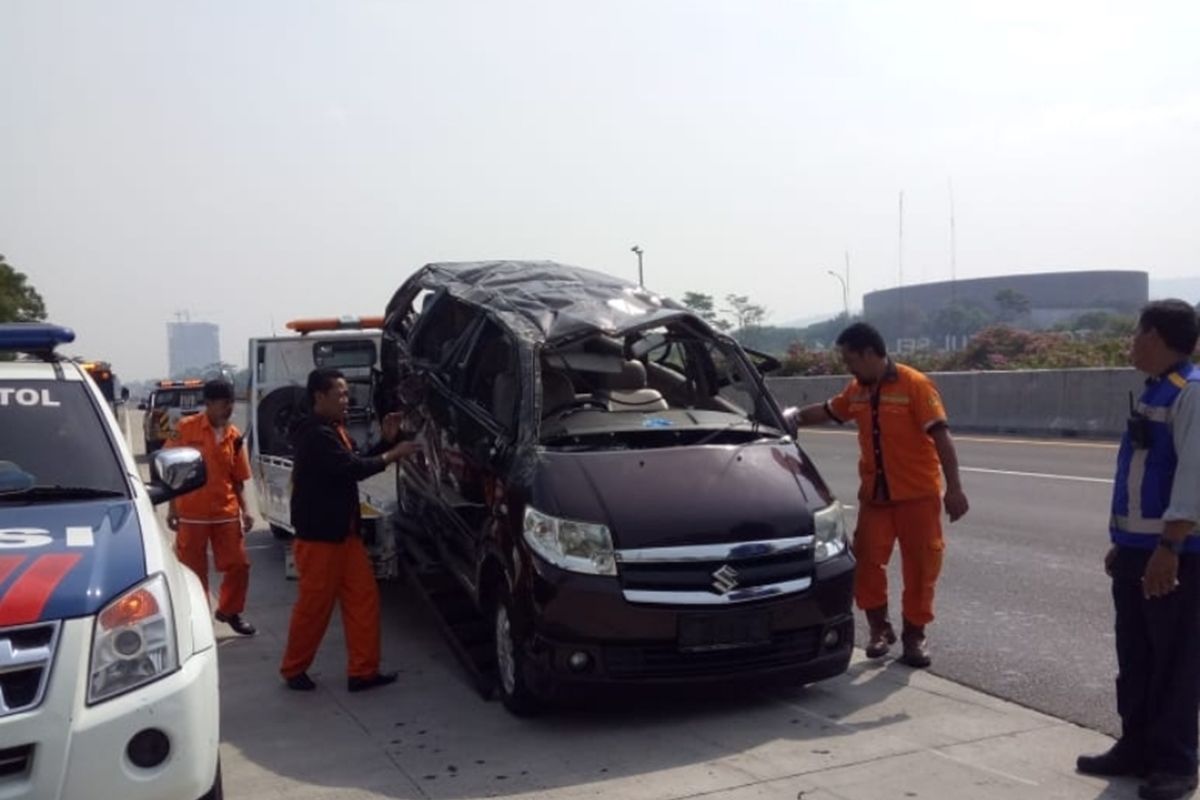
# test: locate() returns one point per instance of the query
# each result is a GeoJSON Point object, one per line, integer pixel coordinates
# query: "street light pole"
{"type": "Point", "coordinates": [637, 249]}
{"type": "Point", "coordinates": [845, 292]}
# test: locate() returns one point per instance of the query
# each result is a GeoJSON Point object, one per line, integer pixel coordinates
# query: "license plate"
{"type": "Point", "coordinates": [723, 631]}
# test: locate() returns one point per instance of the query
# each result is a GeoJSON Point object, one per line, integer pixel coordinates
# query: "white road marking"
{"type": "Point", "coordinates": [989, 440]}
{"type": "Point", "coordinates": [982, 768]}
{"type": "Point", "coordinates": [1046, 475]}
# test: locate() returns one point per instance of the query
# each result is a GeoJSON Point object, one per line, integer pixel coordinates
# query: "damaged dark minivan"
{"type": "Point", "coordinates": [612, 484]}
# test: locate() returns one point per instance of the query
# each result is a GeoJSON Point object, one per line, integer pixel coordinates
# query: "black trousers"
{"type": "Point", "coordinates": [1158, 661]}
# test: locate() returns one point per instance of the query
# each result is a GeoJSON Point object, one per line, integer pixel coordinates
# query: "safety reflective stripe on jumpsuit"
{"type": "Point", "coordinates": [1142, 489]}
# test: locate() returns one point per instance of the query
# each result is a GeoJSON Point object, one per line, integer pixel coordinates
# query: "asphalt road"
{"type": "Point", "coordinates": [1023, 605]}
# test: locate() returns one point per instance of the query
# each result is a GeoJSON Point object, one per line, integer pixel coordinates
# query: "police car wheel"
{"type": "Point", "coordinates": [217, 792]}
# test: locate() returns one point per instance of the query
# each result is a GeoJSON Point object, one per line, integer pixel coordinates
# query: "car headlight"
{"type": "Point", "coordinates": [829, 526]}
{"type": "Point", "coordinates": [134, 641]}
{"type": "Point", "coordinates": [575, 546]}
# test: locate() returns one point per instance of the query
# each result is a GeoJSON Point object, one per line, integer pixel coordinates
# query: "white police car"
{"type": "Point", "coordinates": [108, 665]}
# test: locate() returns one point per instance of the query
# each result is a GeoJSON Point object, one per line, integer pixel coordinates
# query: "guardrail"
{"type": "Point", "coordinates": [1090, 403]}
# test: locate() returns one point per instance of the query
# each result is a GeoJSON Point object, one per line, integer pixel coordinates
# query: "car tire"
{"type": "Point", "coordinates": [281, 533]}
{"type": "Point", "coordinates": [509, 636]}
{"type": "Point", "coordinates": [217, 792]}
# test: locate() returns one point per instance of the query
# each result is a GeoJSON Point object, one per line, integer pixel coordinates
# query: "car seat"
{"type": "Point", "coordinates": [626, 390]}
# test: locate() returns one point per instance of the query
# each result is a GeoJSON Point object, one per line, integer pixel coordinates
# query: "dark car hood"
{"type": "Point", "coordinates": [682, 495]}
{"type": "Point", "coordinates": [44, 576]}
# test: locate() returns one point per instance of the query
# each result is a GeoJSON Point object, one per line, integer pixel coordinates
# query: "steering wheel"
{"type": "Point", "coordinates": [581, 404]}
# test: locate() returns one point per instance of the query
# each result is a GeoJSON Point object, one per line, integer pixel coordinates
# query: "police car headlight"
{"type": "Point", "coordinates": [134, 641]}
{"type": "Point", "coordinates": [829, 528]}
{"type": "Point", "coordinates": [575, 546]}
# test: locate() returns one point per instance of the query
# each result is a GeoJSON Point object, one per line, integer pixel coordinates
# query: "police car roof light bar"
{"type": "Point", "coordinates": [33, 337]}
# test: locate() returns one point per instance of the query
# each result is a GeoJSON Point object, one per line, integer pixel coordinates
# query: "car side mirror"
{"type": "Point", "coordinates": [174, 472]}
{"type": "Point", "coordinates": [142, 406]}
{"type": "Point", "coordinates": [791, 420]}
{"type": "Point", "coordinates": [765, 364]}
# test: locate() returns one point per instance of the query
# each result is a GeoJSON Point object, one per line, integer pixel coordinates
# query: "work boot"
{"type": "Point", "coordinates": [1164, 786]}
{"type": "Point", "coordinates": [1117, 761]}
{"type": "Point", "coordinates": [883, 636]}
{"type": "Point", "coordinates": [235, 621]}
{"type": "Point", "coordinates": [362, 684]}
{"type": "Point", "coordinates": [915, 653]}
{"type": "Point", "coordinates": [301, 683]}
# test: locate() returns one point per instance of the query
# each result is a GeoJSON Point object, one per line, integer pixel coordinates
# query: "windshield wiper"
{"type": "Point", "coordinates": [60, 493]}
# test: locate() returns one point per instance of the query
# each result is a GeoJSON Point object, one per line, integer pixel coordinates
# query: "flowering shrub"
{"type": "Point", "coordinates": [995, 348]}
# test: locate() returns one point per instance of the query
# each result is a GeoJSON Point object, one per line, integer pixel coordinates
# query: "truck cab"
{"type": "Point", "coordinates": [279, 369]}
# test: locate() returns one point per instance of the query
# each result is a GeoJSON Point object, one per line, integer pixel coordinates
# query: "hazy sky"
{"type": "Point", "coordinates": [253, 162]}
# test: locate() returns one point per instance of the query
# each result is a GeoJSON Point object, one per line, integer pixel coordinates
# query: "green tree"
{"type": "Point", "coordinates": [706, 309]}
{"type": "Point", "coordinates": [746, 315]}
{"type": "Point", "coordinates": [957, 320]}
{"type": "Point", "coordinates": [1101, 323]}
{"type": "Point", "coordinates": [19, 301]}
{"type": "Point", "coordinates": [1012, 304]}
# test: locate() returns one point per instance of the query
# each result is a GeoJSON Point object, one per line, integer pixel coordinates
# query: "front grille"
{"type": "Point", "coordinates": [668, 661]}
{"type": "Point", "coordinates": [26, 654]}
{"type": "Point", "coordinates": [699, 576]}
{"type": "Point", "coordinates": [15, 761]}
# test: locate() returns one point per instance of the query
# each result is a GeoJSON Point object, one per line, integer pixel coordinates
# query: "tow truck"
{"type": "Point", "coordinates": [170, 402]}
{"type": "Point", "coordinates": [279, 372]}
{"type": "Point", "coordinates": [102, 375]}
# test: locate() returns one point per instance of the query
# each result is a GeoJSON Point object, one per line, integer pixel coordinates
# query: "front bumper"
{"type": "Point", "coordinates": [79, 751]}
{"type": "Point", "coordinates": [811, 634]}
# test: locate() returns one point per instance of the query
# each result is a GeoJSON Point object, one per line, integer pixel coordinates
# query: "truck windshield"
{"type": "Point", "coordinates": [52, 439]}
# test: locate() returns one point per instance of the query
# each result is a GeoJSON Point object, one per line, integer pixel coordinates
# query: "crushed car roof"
{"type": "Point", "coordinates": [556, 301]}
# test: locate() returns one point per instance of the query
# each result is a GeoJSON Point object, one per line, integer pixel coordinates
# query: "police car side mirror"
{"type": "Point", "coordinates": [174, 472]}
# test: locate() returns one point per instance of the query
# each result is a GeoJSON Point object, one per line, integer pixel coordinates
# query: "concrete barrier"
{"type": "Point", "coordinates": [1046, 402]}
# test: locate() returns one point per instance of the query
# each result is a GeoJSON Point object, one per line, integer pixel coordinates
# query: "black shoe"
{"type": "Point", "coordinates": [378, 679]}
{"type": "Point", "coordinates": [301, 683]}
{"type": "Point", "coordinates": [1164, 786]}
{"type": "Point", "coordinates": [236, 622]}
{"type": "Point", "coordinates": [1113, 763]}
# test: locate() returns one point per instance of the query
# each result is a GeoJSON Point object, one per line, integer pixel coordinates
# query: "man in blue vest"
{"type": "Point", "coordinates": [1154, 563]}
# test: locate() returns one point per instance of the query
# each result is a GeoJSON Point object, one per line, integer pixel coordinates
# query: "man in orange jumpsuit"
{"type": "Point", "coordinates": [333, 563]}
{"type": "Point", "coordinates": [903, 437]}
{"type": "Point", "coordinates": [216, 514]}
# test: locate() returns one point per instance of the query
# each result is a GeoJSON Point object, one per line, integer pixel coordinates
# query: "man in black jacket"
{"type": "Point", "coordinates": [333, 563]}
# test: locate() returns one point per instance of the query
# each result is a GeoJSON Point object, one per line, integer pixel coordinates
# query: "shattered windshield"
{"type": "Point", "coordinates": [663, 387]}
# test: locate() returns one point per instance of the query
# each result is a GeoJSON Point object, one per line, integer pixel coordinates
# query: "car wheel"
{"type": "Point", "coordinates": [217, 792]}
{"type": "Point", "coordinates": [281, 533]}
{"type": "Point", "coordinates": [509, 636]}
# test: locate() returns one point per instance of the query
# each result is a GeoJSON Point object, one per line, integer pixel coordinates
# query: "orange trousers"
{"type": "Point", "coordinates": [918, 526]}
{"type": "Point", "coordinates": [229, 556]}
{"type": "Point", "coordinates": [334, 573]}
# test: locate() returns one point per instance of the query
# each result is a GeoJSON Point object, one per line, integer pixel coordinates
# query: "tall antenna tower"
{"type": "Point", "coordinates": [953, 246]}
{"type": "Point", "coordinates": [900, 266]}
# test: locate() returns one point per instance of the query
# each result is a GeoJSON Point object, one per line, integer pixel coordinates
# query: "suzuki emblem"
{"type": "Point", "coordinates": [725, 580]}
